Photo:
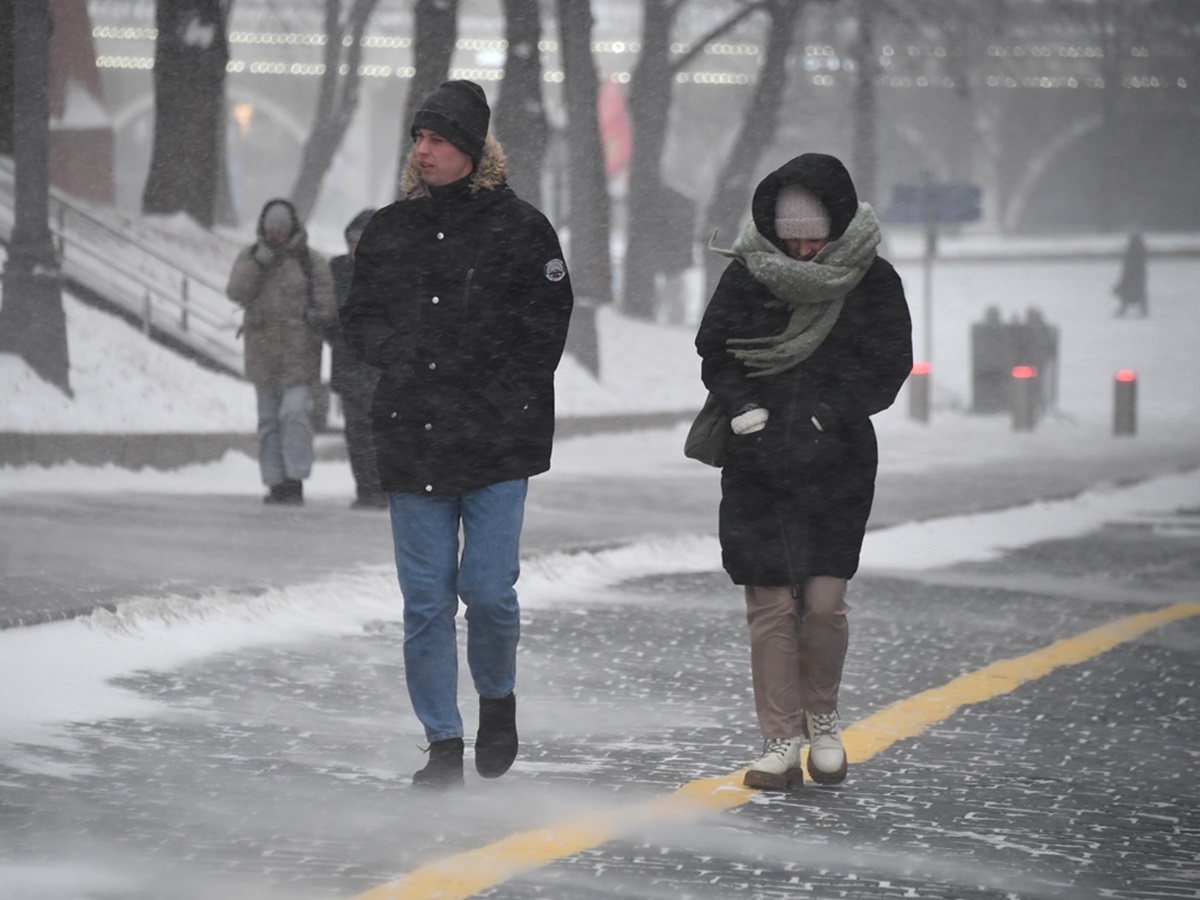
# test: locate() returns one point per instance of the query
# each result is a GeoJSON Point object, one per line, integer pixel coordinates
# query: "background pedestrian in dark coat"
{"type": "Point", "coordinates": [1131, 287]}
{"type": "Point", "coordinates": [461, 298]}
{"type": "Point", "coordinates": [354, 381]}
{"type": "Point", "coordinates": [287, 293]}
{"type": "Point", "coordinates": [806, 336]}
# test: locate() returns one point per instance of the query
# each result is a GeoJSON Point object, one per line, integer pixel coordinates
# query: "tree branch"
{"type": "Point", "coordinates": [698, 46]}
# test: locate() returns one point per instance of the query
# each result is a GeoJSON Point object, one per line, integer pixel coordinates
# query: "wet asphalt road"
{"type": "Point", "coordinates": [282, 771]}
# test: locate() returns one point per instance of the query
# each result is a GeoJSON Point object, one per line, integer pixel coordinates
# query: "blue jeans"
{"type": "Point", "coordinates": [433, 578]}
{"type": "Point", "coordinates": [285, 433]}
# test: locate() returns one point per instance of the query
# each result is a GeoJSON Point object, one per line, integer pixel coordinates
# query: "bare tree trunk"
{"type": "Point", "coordinates": [336, 102]}
{"type": "Point", "coordinates": [435, 29]}
{"type": "Point", "coordinates": [588, 213]}
{"type": "Point", "coordinates": [653, 209]}
{"type": "Point", "coordinates": [520, 120]}
{"type": "Point", "coordinates": [190, 56]}
{"type": "Point", "coordinates": [6, 76]}
{"type": "Point", "coordinates": [1113, 39]}
{"type": "Point", "coordinates": [757, 133]}
{"type": "Point", "coordinates": [649, 110]}
{"type": "Point", "coordinates": [866, 60]}
{"type": "Point", "coordinates": [32, 322]}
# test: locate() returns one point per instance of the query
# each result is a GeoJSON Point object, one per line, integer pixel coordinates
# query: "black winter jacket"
{"type": "Point", "coordinates": [795, 499]}
{"type": "Point", "coordinates": [353, 379]}
{"type": "Point", "coordinates": [461, 297]}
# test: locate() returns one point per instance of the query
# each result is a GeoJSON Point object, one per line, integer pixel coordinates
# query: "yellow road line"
{"type": "Point", "coordinates": [465, 874]}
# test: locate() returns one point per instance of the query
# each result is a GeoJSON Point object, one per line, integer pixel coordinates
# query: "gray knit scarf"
{"type": "Point", "coordinates": [814, 290]}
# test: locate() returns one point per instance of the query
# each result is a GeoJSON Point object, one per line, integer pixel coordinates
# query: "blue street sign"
{"type": "Point", "coordinates": [934, 204]}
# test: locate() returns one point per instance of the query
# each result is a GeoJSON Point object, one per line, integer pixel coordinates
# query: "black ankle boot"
{"type": "Point", "coordinates": [496, 743]}
{"type": "Point", "coordinates": [445, 766]}
{"type": "Point", "coordinates": [289, 492]}
{"type": "Point", "coordinates": [294, 490]}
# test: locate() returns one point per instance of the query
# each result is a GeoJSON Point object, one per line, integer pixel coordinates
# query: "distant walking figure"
{"type": "Point", "coordinates": [806, 337]}
{"type": "Point", "coordinates": [1131, 288]}
{"type": "Point", "coordinates": [287, 292]}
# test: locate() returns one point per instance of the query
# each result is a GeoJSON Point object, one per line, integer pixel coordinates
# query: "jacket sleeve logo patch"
{"type": "Point", "coordinates": [556, 270]}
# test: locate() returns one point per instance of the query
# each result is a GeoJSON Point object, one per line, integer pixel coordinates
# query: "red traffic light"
{"type": "Point", "coordinates": [1024, 372]}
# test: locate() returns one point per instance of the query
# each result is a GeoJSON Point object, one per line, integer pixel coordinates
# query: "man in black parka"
{"type": "Point", "coordinates": [461, 298]}
{"type": "Point", "coordinates": [806, 336]}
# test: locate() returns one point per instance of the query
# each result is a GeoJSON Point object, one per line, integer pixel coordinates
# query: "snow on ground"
{"type": "Point", "coordinates": [67, 670]}
{"type": "Point", "coordinates": [122, 382]}
{"type": "Point", "coordinates": [1073, 295]}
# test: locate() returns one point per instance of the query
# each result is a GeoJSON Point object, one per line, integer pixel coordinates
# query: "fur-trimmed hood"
{"type": "Point", "coordinates": [490, 172]}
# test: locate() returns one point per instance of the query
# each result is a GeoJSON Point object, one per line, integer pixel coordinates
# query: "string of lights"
{"type": "Point", "coordinates": [823, 62]}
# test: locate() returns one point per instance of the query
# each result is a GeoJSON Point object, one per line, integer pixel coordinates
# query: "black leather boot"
{"type": "Point", "coordinates": [294, 490]}
{"type": "Point", "coordinates": [496, 743]}
{"type": "Point", "coordinates": [445, 766]}
{"type": "Point", "coordinates": [289, 492]}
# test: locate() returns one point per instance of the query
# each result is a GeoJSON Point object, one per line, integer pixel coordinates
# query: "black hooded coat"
{"type": "Point", "coordinates": [795, 499]}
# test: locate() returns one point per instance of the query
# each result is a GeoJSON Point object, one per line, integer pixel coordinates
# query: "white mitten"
{"type": "Point", "coordinates": [750, 421]}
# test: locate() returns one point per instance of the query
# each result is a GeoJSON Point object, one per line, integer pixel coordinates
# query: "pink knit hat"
{"type": "Point", "coordinates": [799, 215]}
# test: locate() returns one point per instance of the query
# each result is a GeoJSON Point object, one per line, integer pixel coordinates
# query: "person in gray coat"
{"type": "Point", "coordinates": [286, 291]}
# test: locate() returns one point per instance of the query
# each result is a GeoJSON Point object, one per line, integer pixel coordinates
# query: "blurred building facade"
{"type": "Point", "coordinates": [1062, 132]}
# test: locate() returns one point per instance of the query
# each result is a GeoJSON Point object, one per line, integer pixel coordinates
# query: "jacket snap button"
{"type": "Point", "coordinates": [428, 488]}
{"type": "Point", "coordinates": [435, 299]}
{"type": "Point", "coordinates": [440, 235]}
{"type": "Point", "coordinates": [428, 426]}
{"type": "Point", "coordinates": [432, 366]}
{"type": "Point", "coordinates": [394, 414]}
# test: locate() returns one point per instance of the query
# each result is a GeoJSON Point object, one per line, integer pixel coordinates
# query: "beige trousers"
{"type": "Point", "coordinates": [797, 650]}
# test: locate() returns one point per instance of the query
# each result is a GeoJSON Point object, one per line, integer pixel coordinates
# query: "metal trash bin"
{"type": "Point", "coordinates": [992, 354]}
{"type": "Point", "coordinates": [997, 347]}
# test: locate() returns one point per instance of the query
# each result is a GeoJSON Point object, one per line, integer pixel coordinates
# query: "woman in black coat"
{"type": "Point", "coordinates": [806, 336]}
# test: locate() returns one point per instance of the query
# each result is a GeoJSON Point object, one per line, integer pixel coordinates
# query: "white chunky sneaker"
{"type": "Point", "coordinates": [826, 756]}
{"type": "Point", "coordinates": [778, 769]}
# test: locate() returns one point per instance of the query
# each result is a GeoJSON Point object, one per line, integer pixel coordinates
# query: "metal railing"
{"type": "Point", "coordinates": [152, 275]}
